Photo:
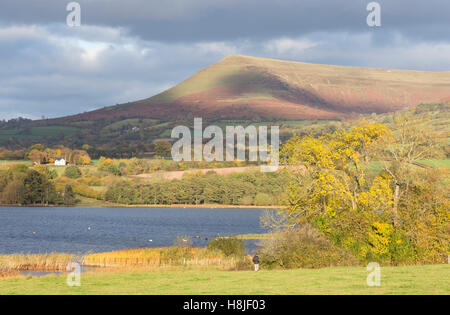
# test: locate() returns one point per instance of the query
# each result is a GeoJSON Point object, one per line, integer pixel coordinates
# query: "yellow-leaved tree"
{"type": "Point", "coordinates": [331, 188]}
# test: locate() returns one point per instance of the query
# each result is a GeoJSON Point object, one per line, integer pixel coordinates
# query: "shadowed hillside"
{"type": "Point", "coordinates": [240, 87]}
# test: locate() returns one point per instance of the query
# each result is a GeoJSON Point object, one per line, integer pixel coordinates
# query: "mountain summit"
{"type": "Point", "coordinates": [241, 87]}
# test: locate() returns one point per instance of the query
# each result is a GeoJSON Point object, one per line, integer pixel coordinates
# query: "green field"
{"type": "Point", "coordinates": [129, 123]}
{"type": "Point", "coordinates": [11, 162]}
{"type": "Point", "coordinates": [36, 133]}
{"type": "Point", "coordinates": [394, 280]}
{"type": "Point", "coordinates": [377, 166]}
{"type": "Point", "coordinates": [436, 163]}
{"type": "Point", "coordinates": [53, 130]}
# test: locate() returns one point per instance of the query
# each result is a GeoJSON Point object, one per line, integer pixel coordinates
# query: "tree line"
{"type": "Point", "coordinates": [250, 188]}
{"type": "Point", "coordinates": [20, 185]}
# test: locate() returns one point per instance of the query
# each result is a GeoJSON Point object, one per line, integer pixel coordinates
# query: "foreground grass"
{"type": "Point", "coordinates": [394, 280]}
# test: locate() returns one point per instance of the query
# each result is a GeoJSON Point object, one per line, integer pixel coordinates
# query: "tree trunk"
{"type": "Point", "coordinates": [395, 209]}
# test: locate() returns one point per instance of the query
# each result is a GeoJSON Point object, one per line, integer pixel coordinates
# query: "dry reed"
{"type": "Point", "coordinates": [157, 258]}
{"type": "Point", "coordinates": [163, 258]}
{"type": "Point", "coordinates": [7, 274]}
{"type": "Point", "coordinates": [36, 262]}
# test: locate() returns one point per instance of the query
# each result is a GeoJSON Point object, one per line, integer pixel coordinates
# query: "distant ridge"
{"type": "Point", "coordinates": [241, 87]}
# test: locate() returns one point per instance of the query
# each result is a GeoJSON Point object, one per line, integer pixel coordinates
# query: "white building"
{"type": "Point", "coordinates": [60, 161]}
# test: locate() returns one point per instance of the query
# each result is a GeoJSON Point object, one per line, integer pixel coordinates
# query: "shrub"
{"type": "Point", "coordinates": [303, 247]}
{"type": "Point", "coordinates": [163, 148]}
{"type": "Point", "coordinates": [109, 165]}
{"type": "Point", "coordinates": [19, 168]}
{"type": "Point", "coordinates": [69, 196]}
{"type": "Point", "coordinates": [79, 157]}
{"type": "Point", "coordinates": [229, 246]}
{"type": "Point", "coordinates": [246, 201]}
{"type": "Point", "coordinates": [262, 199]}
{"type": "Point", "coordinates": [13, 193]}
{"type": "Point", "coordinates": [46, 171]}
{"type": "Point", "coordinates": [244, 263]}
{"type": "Point", "coordinates": [123, 192]}
{"type": "Point", "coordinates": [37, 189]}
{"type": "Point", "coordinates": [72, 172]}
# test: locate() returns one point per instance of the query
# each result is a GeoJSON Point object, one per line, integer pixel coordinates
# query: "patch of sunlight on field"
{"type": "Point", "coordinates": [248, 96]}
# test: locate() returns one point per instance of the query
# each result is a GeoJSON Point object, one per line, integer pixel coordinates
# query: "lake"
{"type": "Point", "coordinates": [80, 229]}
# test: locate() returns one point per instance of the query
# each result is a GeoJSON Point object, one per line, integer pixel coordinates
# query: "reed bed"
{"type": "Point", "coordinates": [36, 262]}
{"type": "Point", "coordinates": [163, 258]}
{"type": "Point", "coordinates": [7, 274]}
{"type": "Point", "coordinates": [157, 258]}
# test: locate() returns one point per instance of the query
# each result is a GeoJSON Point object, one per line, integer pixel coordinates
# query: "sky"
{"type": "Point", "coordinates": [129, 50]}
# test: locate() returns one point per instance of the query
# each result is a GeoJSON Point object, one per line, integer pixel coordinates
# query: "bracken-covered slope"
{"type": "Point", "coordinates": [240, 87]}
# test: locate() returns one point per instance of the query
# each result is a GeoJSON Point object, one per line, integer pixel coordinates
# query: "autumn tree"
{"type": "Point", "coordinates": [37, 189]}
{"type": "Point", "coordinates": [412, 140]}
{"type": "Point", "coordinates": [46, 171]}
{"type": "Point", "coordinates": [331, 189]}
{"type": "Point", "coordinates": [328, 171]}
{"type": "Point", "coordinates": [163, 149]}
{"type": "Point", "coordinates": [37, 156]}
{"type": "Point", "coordinates": [37, 147]}
{"type": "Point", "coordinates": [79, 157]}
{"type": "Point", "coordinates": [13, 193]}
{"type": "Point", "coordinates": [399, 214]}
{"type": "Point", "coordinates": [72, 172]}
{"type": "Point", "coordinates": [109, 165]}
{"type": "Point", "coordinates": [69, 196]}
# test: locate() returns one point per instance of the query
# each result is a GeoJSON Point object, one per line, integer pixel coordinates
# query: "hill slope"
{"type": "Point", "coordinates": [247, 87]}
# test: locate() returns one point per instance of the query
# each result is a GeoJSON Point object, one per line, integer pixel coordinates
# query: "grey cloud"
{"type": "Point", "coordinates": [129, 50]}
{"type": "Point", "coordinates": [197, 20]}
{"type": "Point", "coordinates": [46, 73]}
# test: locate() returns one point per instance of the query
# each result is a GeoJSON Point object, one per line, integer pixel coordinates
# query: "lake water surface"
{"type": "Point", "coordinates": [80, 230]}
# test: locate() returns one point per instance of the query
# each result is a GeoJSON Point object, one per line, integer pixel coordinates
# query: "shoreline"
{"type": "Point", "coordinates": [203, 206]}
{"type": "Point", "coordinates": [173, 206]}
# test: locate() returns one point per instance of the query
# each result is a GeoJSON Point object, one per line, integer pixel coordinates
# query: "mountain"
{"type": "Point", "coordinates": [241, 87]}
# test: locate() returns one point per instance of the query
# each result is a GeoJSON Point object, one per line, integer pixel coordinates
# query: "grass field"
{"type": "Point", "coordinates": [436, 163]}
{"type": "Point", "coordinates": [394, 280]}
{"type": "Point", "coordinates": [377, 166]}
{"type": "Point", "coordinates": [11, 162]}
{"type": "Point", "coordinates": [36, 133]}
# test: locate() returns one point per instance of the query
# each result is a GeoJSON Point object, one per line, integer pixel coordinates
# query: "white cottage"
{"type": "Point", "coordinates": [60, 162]}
